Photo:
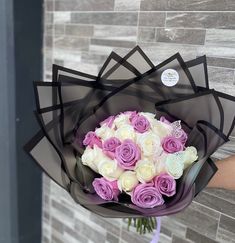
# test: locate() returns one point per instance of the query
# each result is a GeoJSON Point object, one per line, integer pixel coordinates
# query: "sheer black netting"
{"type": "Point", "coordinates": [75, 103]}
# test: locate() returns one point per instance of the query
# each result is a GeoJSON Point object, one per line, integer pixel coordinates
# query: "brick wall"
{"type": "Point", "coordinates": [80, 34]}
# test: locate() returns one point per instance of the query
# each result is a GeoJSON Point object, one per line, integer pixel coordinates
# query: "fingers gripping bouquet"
{"type": "Point", "coordinates": [135, 141]}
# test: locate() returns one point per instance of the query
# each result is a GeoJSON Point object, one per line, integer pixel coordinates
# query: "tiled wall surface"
{"type": "Point", "coordinates": [80, 34]}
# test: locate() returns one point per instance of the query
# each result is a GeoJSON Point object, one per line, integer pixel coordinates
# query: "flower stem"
{"type": "Point", "coordinates": [142, 225]}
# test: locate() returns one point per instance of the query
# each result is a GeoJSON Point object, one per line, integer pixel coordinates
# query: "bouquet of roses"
{"type": "Point", "coordinates": [138, 155]}
{"type": "Point", "coordinates": [158, 127]}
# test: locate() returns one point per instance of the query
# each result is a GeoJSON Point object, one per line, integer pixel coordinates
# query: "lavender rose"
{"type": "Point", "coordinates": [165, 184]}
{"type": "Point", "coordinates": [107, 190]}
{"type": "Point", "coordinates": [127, 154]}
{"type": "Point", "coordinates": [140, 123]}
{"type": "Point", "coordinates": [146, 196]}
{"type": "Point", "coordinates": [171, 144]}
{"type": "Point", "coordinates": [110, 145]}
{"type": "Point", "coordinates": [92, 139]}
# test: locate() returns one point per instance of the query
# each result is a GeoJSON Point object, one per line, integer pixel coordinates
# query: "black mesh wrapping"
{"type": "Point", "coordinates": [75, 102]}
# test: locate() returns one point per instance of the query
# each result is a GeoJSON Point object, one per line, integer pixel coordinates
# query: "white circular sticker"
{"type": "Point", "coordinates": [170, 77]}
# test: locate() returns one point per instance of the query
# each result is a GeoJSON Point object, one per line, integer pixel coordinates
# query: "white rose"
{"type": "Point", "coordinates": [160, 163]}
{"type": "Point", "coordinates": [109, 169]}
{"type": "Point", "coordinates": [157, 153]}
{"type": "Point", "coordinates": [149, 116]}
{"type": "Point", "coordinates": [174, 166]}
{"type": "Point", "coordinates": [91, 157]}
{"type": "Point", "coordinates": [149, 143]}
{"type": "Point", "coordinates": [121, 120]}
{"type": "Point", "coordinates": [189, 156]}
{"type": "Point", "coordinates": [125, 132]}
{"type": "Point", "coordinates": [161, 129]}
{"type": "Point", "coordinates": [127, 181]}
{"type": "Point", "coordinates": [145, 170]}
{"type": "Point", "coordinates": [104, 132]}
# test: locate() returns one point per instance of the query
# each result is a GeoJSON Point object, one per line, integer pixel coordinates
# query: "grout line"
{"type": "Point", "coordinates": [120, 231]}
{"type": "Point", "coordinates": [222, 57]}
{"type": "Point", "coordinates": [155, 34]}
{"type": "Point", "coordinates": [221, 67]}
{"type": "Point", "coordinates": [130, 26]}
{"type": "Point", "coordinates": [138, 25]}
{"type": "Point", "coordinates": [206, 31]}
{"type": "Point", "coordinates": [165, 19]}
{"type": "Point", "coordinates": [53, 31]}
{"type": "Point", "coordinates": [89, 43]}
{"type": "Point", "coordinates": [95, 24]}
{"type": "Point", "coordinates": [114, 6]}
{"type": "Point", "coordinates": [145, 11]}
{"type": "Point", "coordinates": [172, 44]}
{"type": "Point", "coordinates": [212, 194]}
{"type": "Point", "coordinates": [234, 77]}
{"type": "Point", "coordinates": [216, 234]}
{"type": "Point", "coordinates": [49, 206]}
{"type": "Point", "coordinates": [212, 209]}
{"type": "Point", "coordinates": [228, 216]}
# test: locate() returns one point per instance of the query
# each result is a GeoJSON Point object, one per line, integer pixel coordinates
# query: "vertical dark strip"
{"type": "Point", "coordinates": [8, 173]}
{"type": "Point", "coordinates": [28, 24]}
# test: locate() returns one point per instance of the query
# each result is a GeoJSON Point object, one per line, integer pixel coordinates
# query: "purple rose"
{"type": "Point", "coordinates": [146, 196]}
{"type": "Point", "coordinates": [165, 184]}
{"type": "Point", "coordinates": [108, 122]}
{"type": "Point", "coordinates": [171, 144]}
{"type": "Point", "coordinates": [110, 145]}
{"type": "Point", "coordinates": [107, 190]}
{"type": "Point", "coordinates": [127, 154]}
{"type": "Point", "coordinates": [181, 135]}
{"type": "Point", "coordinates": [140, 123]}
{"type": "Point", "coordinates": [92, 139]}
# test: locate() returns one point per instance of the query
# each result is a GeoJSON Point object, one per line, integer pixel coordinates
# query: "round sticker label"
{"type": "Point", "coordinates": [170, 77]}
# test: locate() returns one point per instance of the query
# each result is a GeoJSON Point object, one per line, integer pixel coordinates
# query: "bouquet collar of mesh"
{"type": "Point", "coordinates": [75, 102]}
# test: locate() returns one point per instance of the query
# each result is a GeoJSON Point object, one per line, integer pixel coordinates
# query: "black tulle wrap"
{"type": "Point", "coordinates": [75, 103]}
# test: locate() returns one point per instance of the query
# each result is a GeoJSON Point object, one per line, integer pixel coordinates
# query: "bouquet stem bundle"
{"type": "Point", "coordinates": [143, 225]}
